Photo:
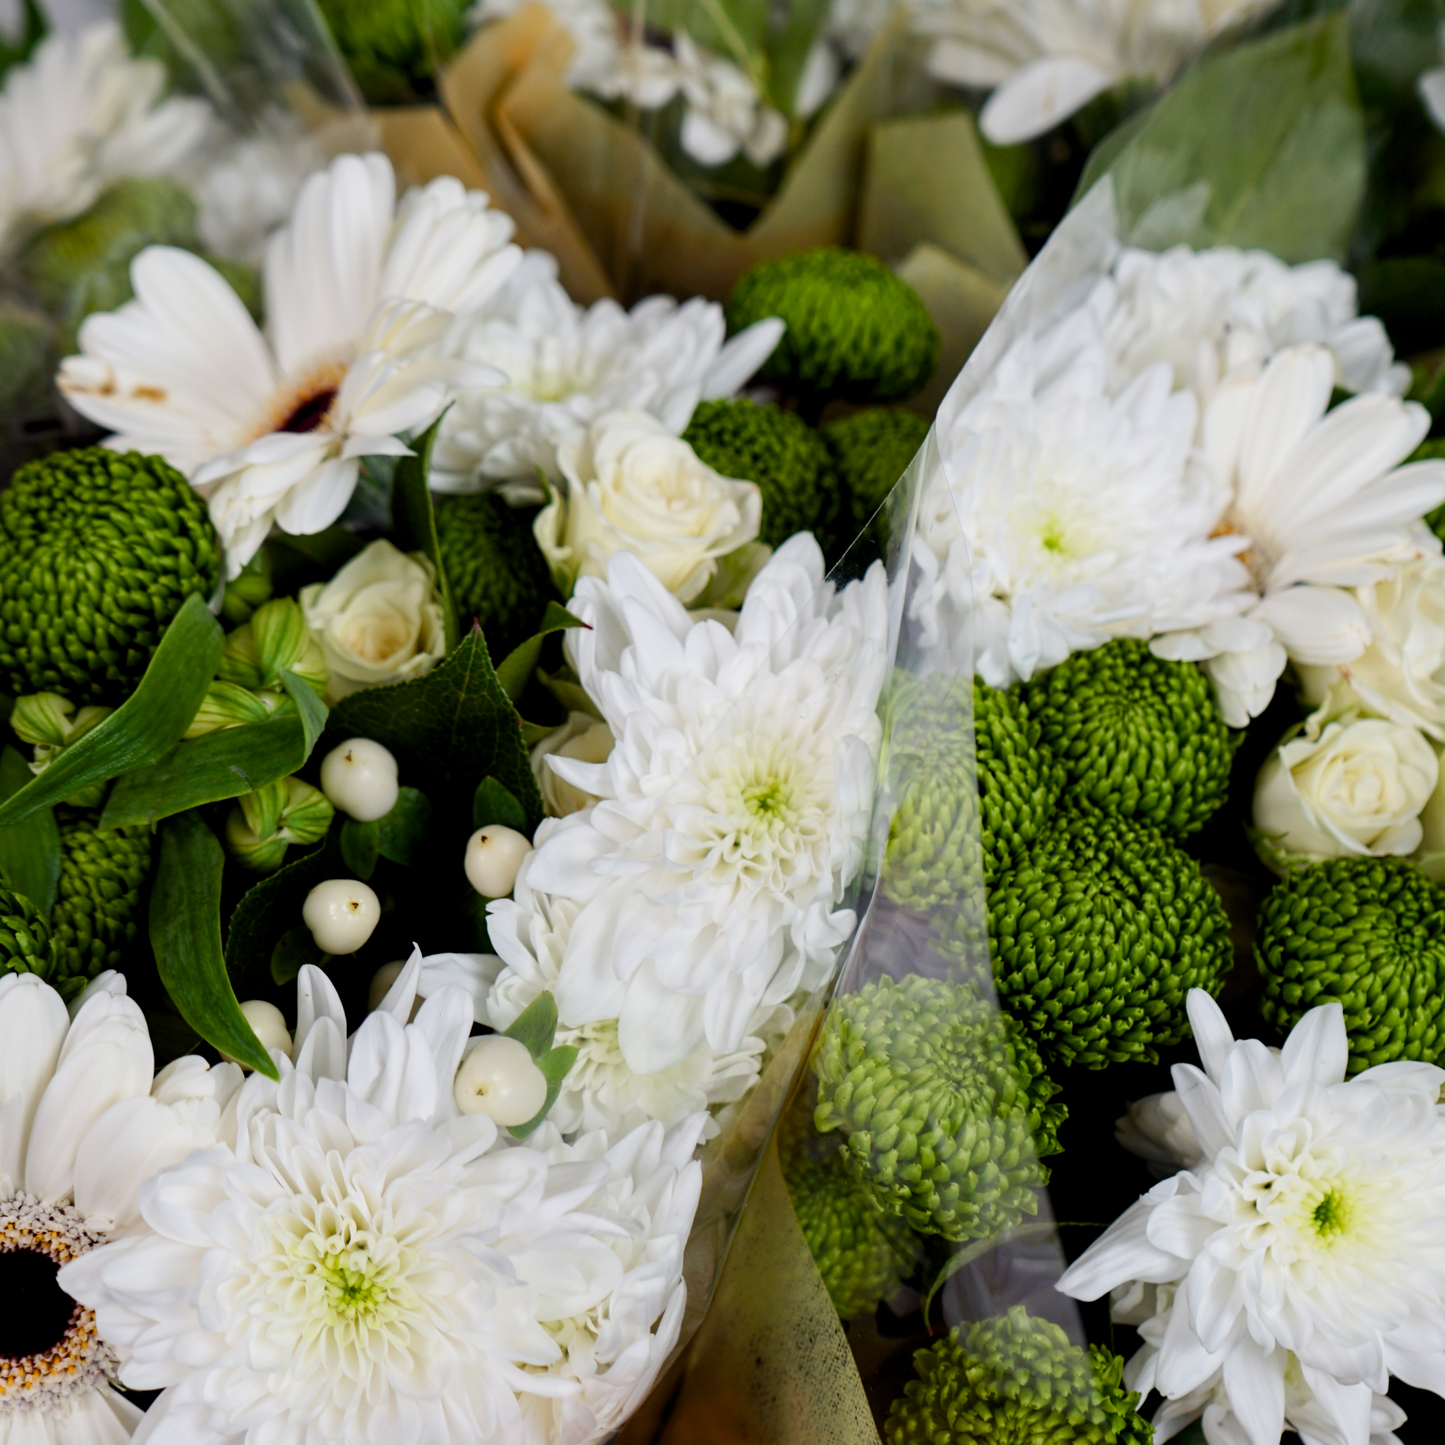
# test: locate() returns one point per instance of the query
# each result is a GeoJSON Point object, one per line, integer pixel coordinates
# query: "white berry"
{"type": "Point", "coordinates": [341, 914]}
{"type": "Point", "coordinates": [494, 857]}
{"type": "Point", "coordinates": [268, 1023]}
{"type": "Point", "coordinates": [500, 1078]}
{"type": "Point", "coordinates": [381, 982]}
{"type": "Point", "coordinates": [359, 778]}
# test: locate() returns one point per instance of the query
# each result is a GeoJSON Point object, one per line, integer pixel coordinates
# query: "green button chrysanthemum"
{"type": "Point", "coordinates": [98, 551]}
{"type": "Point", "coordinates": [943, 1104]}
{"type": "Point", "coordinates": [1369, 934]}
{"type": "Point", "coordinates": [97, 905]}
{"type": "Point", "coordinates": [871, 449]}
{"type": "Point", "coordinates": [1015, 1380]}
{"type": "Point", "coordinates": [25, 945]}
{"type": "Point", "coordinates": [1139, 736]}
{"type": "Point", "coordinates": [1098, 933]}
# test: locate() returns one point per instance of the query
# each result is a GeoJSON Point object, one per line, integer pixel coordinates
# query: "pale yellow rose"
{"type": "Point", "coordinates": [378, 620]}
{"type": "Point", "coordinates": [582, 738]}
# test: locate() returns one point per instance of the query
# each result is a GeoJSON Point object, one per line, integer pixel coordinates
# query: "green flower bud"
{"type": "Point", "coordinates": [244, 594]}
{"type": "Point", "coordinates": [97, 906]}
{"type": "Point", "coordinates": [25, 945]}
{"type": "Point", "coordinates": [943, 1103]}
{"type": "Point", "coordinates": [230, 705]}
{"type": "Point", "coordinates": [264, 823]}
{"type": "Point", "coordinates": [44, 719]}
{"type": "Point", "coordinates": [274, 640]}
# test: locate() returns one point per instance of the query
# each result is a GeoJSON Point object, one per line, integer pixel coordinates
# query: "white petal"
{"type": "Point", "coordinates": [1318, 1049]}
{"type": "Point", "coordinates": [1039, 96]}
{"type": "Point", "coordinates": [33, 1025]}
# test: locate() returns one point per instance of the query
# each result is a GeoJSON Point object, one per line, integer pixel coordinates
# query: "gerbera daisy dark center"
{"type": "Point", "coordinates": [310, 413]}
{"type": "Point", "coordinates": [37, 1311]}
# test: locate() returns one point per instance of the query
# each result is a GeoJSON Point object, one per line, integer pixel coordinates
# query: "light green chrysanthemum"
{"type": "Point", "coordinates": [97, 906]}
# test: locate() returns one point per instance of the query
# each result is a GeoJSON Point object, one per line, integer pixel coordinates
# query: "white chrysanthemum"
{"type": "Point", "coordinates": [567, 365]}
{"type": "Point", "coordinates": [1044, 59]}
{"type": "Point", "coordinates": [358, 295]}
{"type": "Point", "coordinates": [79, 114]}
{"type": "Point", "coordinates": [1300, 1261]}
{"type": "Point", "coordinates": [1061, 516]}
{"type": "Point", "coordinates": [1321, 504]}
{"type": "Point", "coordinates": [1211, 312]}
{"type": "Point", "coordinates": [708, 880]}
{"type": "Point", "coordinates": [82, 1125]}
{"type": "Point", "coordinates": [362, 1262]}
{"type": "Point", "coordinates": [724, 113]}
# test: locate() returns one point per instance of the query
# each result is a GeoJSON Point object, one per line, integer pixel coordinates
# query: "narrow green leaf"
{"type": "Point", "coordinates": [554, 1066]}
{"type": "Point", "coordinates": [295, 950]}
{"type": "Point", "coordinates": [536, 1025]}
{"type": "Point", "coordinates": [493, 803]}
{"type": "Point", "coordinates": [29, 850]}
{"type": "Point", "coordinates": [360, 843]}
{"type": "Point", "coordinates": [312, 709]}
{"type": "Point", "coordinates": [402, 832]}
{"type": "Point", "coordinates": [144, 726]}
{"type": "Point", "coordinates": [414, 523]}
{"type": "Point", "coordinates": [518, 665]}
{"type": "Point", "coordinates": [185, 930]}
{"type": "Point", "coordinates": [273, 907]}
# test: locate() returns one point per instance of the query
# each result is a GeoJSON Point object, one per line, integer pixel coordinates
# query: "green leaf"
{"type": "Point", "coordinates": [536, 1025]}
{"type": "Point", "coordinates": [29, 850]}
{"type": "Point", "coordinates": [1263, 145]}
{"type": "Point", "coordinates": [360, 844]}
{"type": "Point", "coordinates": [185, 930]}
{"type": "Point", "coordinates": [414, 523]}
{"type": "Point", "coordinates": [554, 1066]}
{"type": "Point", "coordinates": [448, 730]}
{"type": "Point", "coordinates": [144, 726]}
{"type": "Point", "coordinates": [492, 803]}
{"type": "Point", "coordinates": [292, 953]}
{"type": "Point", "coordinates": [789, 51]}
{"type": "Point", "coordinates": [311, 708]}
{"type": "Point", "coordinates": [402, 832]}
{"type": "Point", "coordinates": [273, 907]}
{"type": "Point", "coordinates": [207, 769]}
{"type": "Point", "coordinates": [518, 665]}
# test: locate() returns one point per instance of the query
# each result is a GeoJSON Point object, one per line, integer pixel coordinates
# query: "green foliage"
{"type": "Point", "coordinates": [97, 909]}
{"type": "Point", "coordinates": [783, 455]}
{"type": "Point", "coordinates": [1369, 934]}
{"type": "Point", "coordinates": [943, 1104]}
{"type": "Point", "coordinates": [98, 552]}
{"type": "Point", "coordinates": [1015, 1380]}
{"type": "Point", "coordinates": [30, 849]}
{"type": "Point", "coordinates": [395, 47]}
{"type": "Point", "coordinates": [1138, 736]}
{"type": "Point", "coordinates": [535, 1028]}
{"type": "Point", "coordinates": [871, 450]}
{"type": "Point", "coordinates": [1099, 932]}
{"type": "Point", "coordinates": [25, 945]}
{"type": "Point", "coordinates": [856, 332]}
{"type": "Point", "coordinates": [28, 350]}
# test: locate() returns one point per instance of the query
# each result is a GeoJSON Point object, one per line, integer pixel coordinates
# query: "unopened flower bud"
{"type": "Point", "coordinates": [360, 778]}
{"type": "Point", "coordinates": [229, 705]}
{"type": "Point", "coordinates": [342, 914]}
{"type": "Point", "coordinates": [494, 858]}
{"type": "Point", "coordinates": [283, 640]}
{"type": "Point", "coordinates": [264, 823]}
{"type": "Point", "coordinates": [246, 592]}
{"type": "Point", "coordinates": [49, 723]}
{"type": "Point", "coordinates": [268, 1023]}
{"type": "Point", "coordinates": [500, 1078]}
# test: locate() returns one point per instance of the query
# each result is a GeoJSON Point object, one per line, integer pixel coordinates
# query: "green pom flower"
{"type": "Point", "coordinates": [871, 449]}
{"type": "Point", "coordinates": [863, 1255]}
{"type": "Point", "coordinates": [856, 332]}
{"type": "Point", "coordinates": [1015, 1380]}
{"type": "Point", "coordinates": [1019, 778]}
{"type": "Point", "coordinates": [782, 454]}
{"type": "Point", "coordinates": [395, 47]}
{"type": "Point", "coordinates": [25, 945]}
{"type": "Point", "coordinates": [97, 553]}
{"type": "Point", "coordinates": [1098, 934]}
{"type": "Point", "coordinates": [943, 1104]}
{"type": "Point", "coordinates": [1369, 934]}
{"type": "Point", "coordinates": [97, 907]}
{"type": "Point", "coordinates": [497, 572]}
{"type": "Point", "coordinates": [1139, 736]}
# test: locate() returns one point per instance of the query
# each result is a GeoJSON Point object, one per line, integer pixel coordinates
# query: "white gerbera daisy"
{"type": "Point", "coordinates": [566, 366]}
{"type": "Point", "coordinates": [1061, 516]}
{"type": "Point", "coordinates": [358, 295]}
{"type": "Point", "coordinates": [1300, 1262]}
{"type": "Point", "coordinates": [1321, 503]}
{"type": "Point", "coordinates": [80, 114]}
{"type": "Point", "coordinates": [364, 1262]}
{"type": "Point", "coordinates": [82, 1125]}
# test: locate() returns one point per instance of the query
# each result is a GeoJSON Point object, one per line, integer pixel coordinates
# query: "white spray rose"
{"type": "Point", "coordinates": [632, 486]}
{"type": "Point", "coordinates": [585, 739]}
{"type": "Point", "coordinates": [1401, 674]}
{"type": "Point", "coordinates": [1351, 787]}
{"type": "Point", "coordinates": [378, 620]}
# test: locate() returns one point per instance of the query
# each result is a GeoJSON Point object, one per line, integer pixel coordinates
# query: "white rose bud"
{"type": "Point", "coordinates": [360, 779]}
{"type": "Point", "coordinates": [583, 739]}
{"type": "Point", "coordinates": [494, 858]}
{"type": "Point", "coordinates": [342, 914]}
{"type": "Point", "coordinates": [631, 485]}
{"type": "Point", "coordinates": [499, 1078]}
{"type": "Point", "coordinates": [268, 1023]}
{"type": "Point", "coordinates": [378, 620]}
{"type": "Point", "coordinates": [1352, 788]}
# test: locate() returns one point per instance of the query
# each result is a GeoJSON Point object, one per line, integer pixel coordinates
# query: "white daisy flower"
{"type": "Point", "coordinates": [365, 1262]}
{"type": "Point", "coordinates": [1061, 516]}
{"type": "Point", "coordinates": [1044, 59]}
{"type": "Point", "coordinates": [1321, 504]}
{"type": "Point", "coordinates": [566, 365]}
{"type": "Point", "coordinates": [80, 114]}
{"type": "Point", "coordinates": [82, 1125]}
{"type": "Point", "coordinates": [1300, 1262]}
{"type": "Point", "coordinates": [358, 295]}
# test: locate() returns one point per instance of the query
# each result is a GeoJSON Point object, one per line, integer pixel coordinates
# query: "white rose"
{"type": "Point", "coordinates": [1351, 788]}
{"type": "Point", "coordinates": [631, 485]}
{"type": "Point", "coordinates": [582, 738]}
{"type": "Point", "coordinates": [378, 620]}
{"type": "Point", "coordinates": [1401, 674]}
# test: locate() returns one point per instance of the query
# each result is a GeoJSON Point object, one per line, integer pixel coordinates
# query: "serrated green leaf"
{"type": "Point", "coordinates": [414, 523]}
{"type": "Point", "coordinates": [518, 665]}
{"type": "Point", "coordinates": [555, 1066]}
{"type": "Point", "coordinates": [273, 907]}
{"type": "Point", "coordinates": [292, 953]}
{"type": "Point", "coordinates": [29, 850]}
{"type": "Point", "coordinates": [492, 803]}
{"type": "Point", "coordinates": [311, 708]}
{"type": "Point", "coordinates": [185, 932]}
{"type": "Point", "coordinates": [360, 844]}
{"type": "Point", "coordinates": [536, 1025]}
{"type": "Point", "coordinates": [144, 726]}
{"type": "Point", "coordinates": [402, 832]}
